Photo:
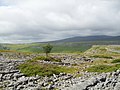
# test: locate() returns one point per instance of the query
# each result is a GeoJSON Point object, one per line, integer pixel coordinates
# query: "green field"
{"type": "Point", "coordinates": [64, 47]}
{"type": "Point", "coordinates": [57, 47]}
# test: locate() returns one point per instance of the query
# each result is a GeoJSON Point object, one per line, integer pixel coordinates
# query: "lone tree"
{"type": "Point", "coordinates": [47, 49]}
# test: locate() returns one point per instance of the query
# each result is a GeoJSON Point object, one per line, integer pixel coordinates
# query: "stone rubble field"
{"type": "Point", "coordinates": [12, 79]}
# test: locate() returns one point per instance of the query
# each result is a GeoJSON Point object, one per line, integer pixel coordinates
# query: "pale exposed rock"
{"type": "Point", "coordinates": [117, 86]}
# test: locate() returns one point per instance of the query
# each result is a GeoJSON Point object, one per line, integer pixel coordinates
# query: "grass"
{"type": "Point", "coordinates": [101, 62]}
{"type": "Point", "coordinates": [103, 68]}
{"type": "Point", "coordinates": [117, 48]}
{"type": "Point", "coordinates": [57, 47]}
{"type": "Point", "coordinates": [70, 48]}
{"type": "Point", "coordinates": [35, 68]}
{"type": "Point", "coordinates": [116, 61]}
{"type": "Point", "coordinates": [102, 56]}
{"type": "Point", "coordinates": [47, 59]}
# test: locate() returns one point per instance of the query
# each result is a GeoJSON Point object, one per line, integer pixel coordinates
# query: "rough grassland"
{"type": "Point", "coordinates": [35, 68]}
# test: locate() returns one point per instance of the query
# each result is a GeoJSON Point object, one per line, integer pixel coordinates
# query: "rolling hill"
{"type": "Point", "coordinates": [75, 44]}
{"type": "Point", "coordinates": [89, 38]}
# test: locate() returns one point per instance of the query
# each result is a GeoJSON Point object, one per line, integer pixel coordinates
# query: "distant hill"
{"type": "Point", "coordinates": [89, 38]}
{"type": "Point", "coordinates": [69, 45]}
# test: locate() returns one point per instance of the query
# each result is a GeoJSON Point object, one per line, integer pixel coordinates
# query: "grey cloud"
{"type": "Point", "coordinates": [44, 20]}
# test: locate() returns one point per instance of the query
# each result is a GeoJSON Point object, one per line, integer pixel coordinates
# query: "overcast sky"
{"type": "Point", "coordinates": [46, 20]}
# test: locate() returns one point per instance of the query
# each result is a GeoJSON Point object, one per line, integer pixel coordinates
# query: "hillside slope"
{"type": "Point", "coordinates": [89, 38]}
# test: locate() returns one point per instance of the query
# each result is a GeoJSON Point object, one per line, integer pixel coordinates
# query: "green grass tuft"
{"type": "Point", "coordinates": [103, 68]}
{"type": "Point", "coordinates": [102, 56]}
{"type": "Point", "coordinates": [116, 61]}
{"type": "Point", "coordinates": [35, 68]}
{"type": "Point", "coordinates": [47, 59]}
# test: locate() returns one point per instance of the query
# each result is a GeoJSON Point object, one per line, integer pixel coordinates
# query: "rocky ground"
{"type": "Point", "coordinates": [105, 81]}
{"type": "Point", "coordinates": [12, 79]}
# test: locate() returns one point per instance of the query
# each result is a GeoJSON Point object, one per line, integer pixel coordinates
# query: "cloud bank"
{"type": "Point", "coordinates": [46, 20]}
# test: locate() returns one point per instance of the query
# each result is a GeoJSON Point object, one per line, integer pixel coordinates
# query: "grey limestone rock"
{"type": "Point", "coordinates": [117, 86]}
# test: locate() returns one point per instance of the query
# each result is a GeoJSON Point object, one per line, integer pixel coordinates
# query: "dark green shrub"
{"type": "Point", "coordinates": [116, 61]}
{"type": "Point", "coordinates": [105, 61]}
{"type": "Point", "coordinates": [47, 49]}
